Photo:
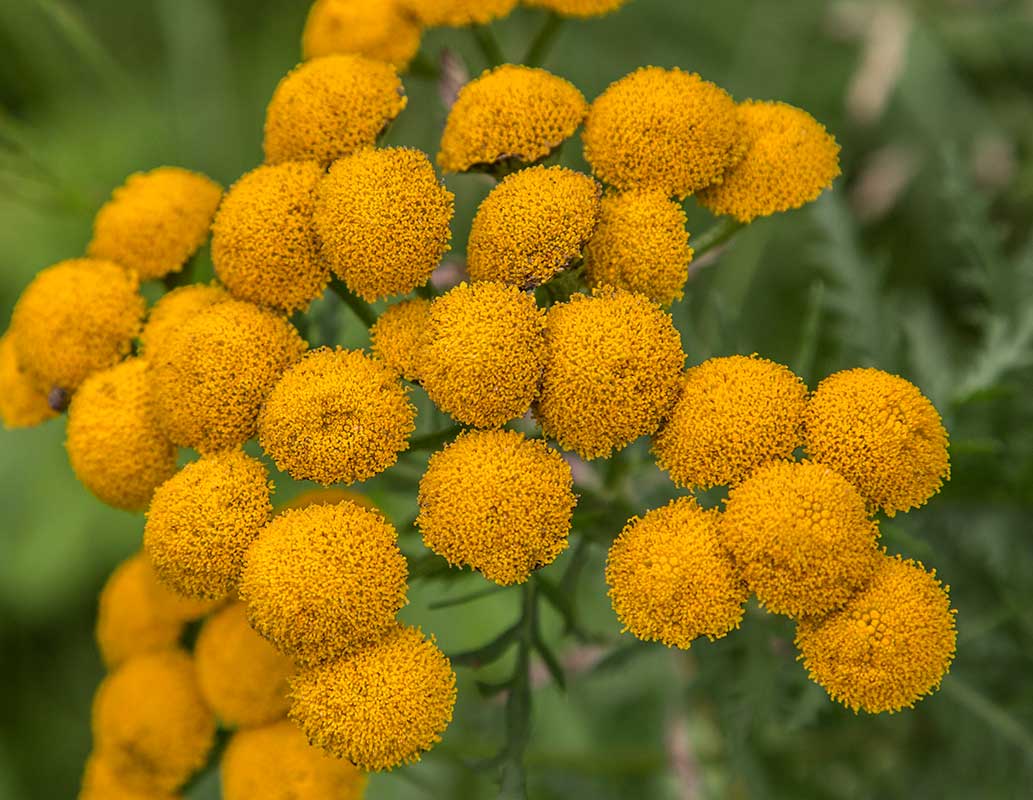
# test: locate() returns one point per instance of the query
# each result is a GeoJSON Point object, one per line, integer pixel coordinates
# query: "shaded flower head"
{"type": "Point", "coordinates": [379, 30]}
{"type": "Point", "coordinates": [457, 13]}
{"type": "Point", "coordinates": [100, 782]}
{"type": "Point", "coordinates": [172, 311]}
{"type": "Point", "coordinates": [397, 337]}
{"type": "Point", "coordinates": [22, 403]}
{"type": "Point", "coordinates": [577, 8]}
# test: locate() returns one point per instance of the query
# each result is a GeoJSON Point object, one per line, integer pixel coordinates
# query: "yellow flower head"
{"type": "Point", "coordinates": [482, 356]}
{"type": "Point", "coordinates": [380, 30]}
{"type": "Point", "coordinates": [337, 416]}
{"type": "Point", "coordinates": [217, 369]}
{"type": "Point", "coordinates": [456, 13]}
{"type": "Point", "coordinates": [380, 707]}
{"type": "Point", "coordinates": [100, 782]}
{"type": "Point", "coordinates": [790, 159]}
{"type": "Point", "coordinates": [889, 646]}
{"type": "Point", "coordinates": [671, 580]}
{"type": "Point", "coordinates": [202, 520]}
{"type": "Point", "coordinates": [733, 414]}
{"type": "Point", "coordinates": [22, 404]}
{"type": "Point", "coordinates": [172, 311]}
{"type": "Point", "coordinates": [532, 225]}
{"type": "Point", "coordinates": [641, 245]}
{"type": "Point", "coordinates": [383, 217]}
{"type": "Point", "coordinates": [663, 129]}
{"type": "Point", "coordinates": [497, 502]}
{"type": "Point", "coordinates": [509, 114]}
{"type": "Point", "coordinates": [397, 336]}
{"type": "Point", "coordinates": [323, 580]}
{"type": "Point", "coordinates": [881, 433]}
{"type": "Point", "coordinates": [264, 239]}
{"type": "Point", "coordinates": [330, 107]}
{"type": "Point", "coordinates": [800, 537]}
{"type": "Point", "coordinates": [612, 367]}
{"type": "Point", "coordinates": [577, 8]}
{"type": "Point", "coordinates": [155, 221]}
{"type": "Point", "coordinates": [326, 497]}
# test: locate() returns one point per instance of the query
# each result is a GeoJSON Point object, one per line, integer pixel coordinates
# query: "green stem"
{"type": "Point", "coordinates": [489, 45]}
{"type": "Point", "coordinates": [716, 235]}
{"type": "Point", "coordinates": [363, 310]}
{"type": "Point", "coordinates": [543, 41]}
{"type": "Point", "coordinates": [432, 441]}
{"type": "Point", "coordinates": [427, 291]}
{"type": "Point", "coordinates": [422, 66]}
{"type": "Point", "coordinates": [518, 703]}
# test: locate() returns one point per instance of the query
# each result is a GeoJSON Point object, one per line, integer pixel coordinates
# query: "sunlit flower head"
{"type": "Point", "coordinates": [326, 497]}
{"type": "Point", "coordinates": [456, 13]}
{"type": "Point", "coordinates": [397, 337]}
{"type": "Point", "coordinates": [22, 403]}
{"type": "Point", "coordinates": [379, 30]}
{"type": "Point", "coordinates": [172, 311]}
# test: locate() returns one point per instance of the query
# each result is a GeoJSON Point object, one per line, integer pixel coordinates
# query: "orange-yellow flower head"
{"type": "Point", "coordinates": [325, 497]}
{"type": "Point", "coordinates": [577, 8]}
{"type": "Point", "coordinates": [264, 238]}
{"type": "Point", "coordinates": [383, 217]}
{"type": "Point", "coordinates": [881, 433]}
{"type": "Point", "coordinates": [397, 336]}
{"type": "Point", "coordinates": [612, 366]}
{"type": "Point", "coordinates": [155, 221]}
{"type": "Point", "coordinates": [800, 537]}
{"type": "Point", "coordinates": [482, 356]}
{"type": "Point", "coordinates": [217, 369]}
{"type": "Point", "coordinates": [790, 159]}
{"type": "Point", "coordinates": [889, 646]}
{"type": "Point", "coordinates": [323, 580]}
{"type": "Point", "coordinates": [22, 403]}
{"type": "Point", "coordinates": [641, 245]}
{"type": "Point", "coordinates": [202, 520]}
{"type": "Point", "coordinates": [733, 414]}
{"type": "Point", "coordinates": [379, 30]}
{"type": "Point", "coordinates": [99, 782]}
{"type": "Point", "coordinates": [330, 107]}
{"type": "Point", "coordinates": [381, 707]}
{"type": "Point", "coordinates": [497, 502]}
{"type": "Point", "coordinates": [663, 129]}
{"type": "Point", "coordinates": [532, 225]}
{"type": "Point", "coordinates": [670, 579]}
{"type": "Point", "coordinates": [456, 13]}
{"type": "Point", "coordinates": [172, 311]}
{"type": "Point", "coordinates": [511, 114]}
{"type": "Point", "coordinates": [337, 416]}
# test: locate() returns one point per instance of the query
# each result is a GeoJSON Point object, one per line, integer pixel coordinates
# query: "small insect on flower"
{"type": "Point", "coordinates": [577, 8]}
{"type": "Point", "coordinates": [457, 13]}
{"type": "Point", "coordinates": [22, 404]}
{"type": "Point", "coordinates": [172, 311]}
{"type": "Point", "coordinates": [397, 337]}
{"type": "Point", "coordinates": [381, 30]}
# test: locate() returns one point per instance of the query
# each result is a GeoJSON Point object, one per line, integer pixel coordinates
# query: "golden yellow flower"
{"type": "Point", "coordinates": [337, 416]}
{"type": "Point", "coordinates": [577, 8]}
{"type": "Point", "coordinates": [663, 129]}
{"type": "Point", "coordinates": [457, 13]}
{"type": "Point", "coordinates": [326, 497]}
{"type": "Point", "coordinates": [532, 225]}
{"type": "Point", "coordinates": [397, 336]}
{"type": "Point", "coordinates": [380, 30]}
{"type": "Point", "coordinates": [172, 311]}
{"type": "Point", "coordinates": [733, 414]}
{"type": "Point", "coordinates": [155, 221]}
{"type": "Point", "coordinates": [790, 159]}
{"type": "Point", "coordinates": [383, 217]}
{"type": "Point", "coordinates": [380, 707]}
{"type": "Point", "coordinates": [889, 646]}
{"type": "Point", "coordinates": [497, 502]}
{"type": "Point", "coordinates": [612, 368]}
{"type": "Point", "coordinates": [509, 114]}
{"type": "Point", "coordinates": [330, 107]}
{"type": "Point", "coordinates": [882, 434]}
{"type": "Point", "coordinates": [22, 404]}
{"type": "Point", "coordinates": [100, 782]}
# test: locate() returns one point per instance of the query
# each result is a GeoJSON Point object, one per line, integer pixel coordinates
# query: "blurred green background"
{"type": "Point", "coordinates": [920, 262]}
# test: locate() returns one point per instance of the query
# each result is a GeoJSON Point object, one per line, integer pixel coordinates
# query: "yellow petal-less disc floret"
{"type": "Point", "coordinates": [577, 8]}
{"type": "Point", "coordinates": [457, 13]}
{"type": "Point", "coordinates": [383, 217]}
{"type": "Point", "coordinates": [612, 366]}
{"type": "Point", "coordinates": [379, 30]}
{"type": "Point", "coordinates": [663, 129]}
{"type": "Point", "coordinates": [155, 221]}
{"type": "Point", "coordinates": [381, 707]}
{"type": "Point", "coordinates": [100, 782]}
{"type": "Point", "coordinates": [22, 403]}
{"type": "Point", "coordinates": [670, 579]}
{"type": "Point", "coordinates": [732, 415]}
{"type": "Point", "coordinates": [337, 416]}
{"type": "Point", "coordinates": [532, 225]}
{"type": "Point", "coordinates": [397, 336]}
{"type": "Point", "coordinates": [264, 239]}
{"type": "Point", "coordinates": [330, 107]}
{"type": "Point", "coordinates": [497, 502]}
{"type": "Point", "coordinates": [889, 646]}
{"type": "Point", "coordinates": [482, 356]}
{"type": "Point", "coordinates": [326, 497]}
{"type": "Point", "coordinates": [324, 579]}
{"type": "Point", "coordinates": [510, 114]}
{"type": "Point", "coordinates": [790, 160]}
{"type": "Point", "coordinates": [202, 520]}
{"type": "Point", "coordinates": [800, 537]}
{"type": "Point", "coordinates": [882, 434]}
{"type": "Point", "coordinates": [172, 311]}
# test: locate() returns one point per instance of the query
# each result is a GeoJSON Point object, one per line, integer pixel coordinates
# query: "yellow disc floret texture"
{"type": "Point", "coordinates": [456, 13]}
{"type": "Point", "coordinates": [22, 403]}
{"type": "Point", "coordinates": [397, 337]}
{"type": "Point", "coordinates": [172, 311]}
{"type": "Point", "coordinates": [577, 8]}
{"type": "Point", "coordinates": [379, 30]}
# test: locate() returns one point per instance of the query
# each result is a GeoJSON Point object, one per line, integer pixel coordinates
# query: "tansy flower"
{"type": "Point", "coordinates": [397, 336]}
{"type": "Point", "coordinates": [263, 241]}
{"type": "Point", "coordinates": [497, 502]}
{"type": "Point", "coordinates": [800, 537]}
{"type": "Point", "coordinates": [641, 245]}
{"type": "Point", "coordinates": [663, 129]}
{"type": "Point", "coordinates": [379, 30]}
{"type": "Point", "coordinates": [202, 520]}
{"type": "Point", "coordinates": [509, 114]}
{"type": "Point", "coordinates": [482, 356]}
{"type": "Point", "coordinates": [889, 646]}
{"type": "Point", "coordinates": [327, 497]}
{"type": "Point", "coordinates": [577, 8]}
{"type": "Point", "coordinates": [324, 579]}
{"type": "Point", "coordinates": [532, 225]}
{"type": "Point", "coordinates": [380, 707]}
{"type": "Point", "coordinates": [99, 782]}
{"type": "Point", "coordinates": [790, 159]}
{"type": "Point", "coordinates": [732, 415]}
{"type": "Point", "coordinates": [881, 433]}
{"type": "Point", "coordinates": [671, 580]}
{"type": "Point", "coordinates": [155, 221]}
{"type": "Point", "coordinates": [383, 217]}
{"type": "Point", "coordinates": [456, 13]}
{"type": "Point", "coordinates": [22, 404]}
{"type": "Point", "coordinates": [330, 107]}
{"type": "Point", "coordinates": [612, 364]}
{"type": "Point", "coordinates": [337, 416]}
{"type": "Point", "coordinates": [173, 310]}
